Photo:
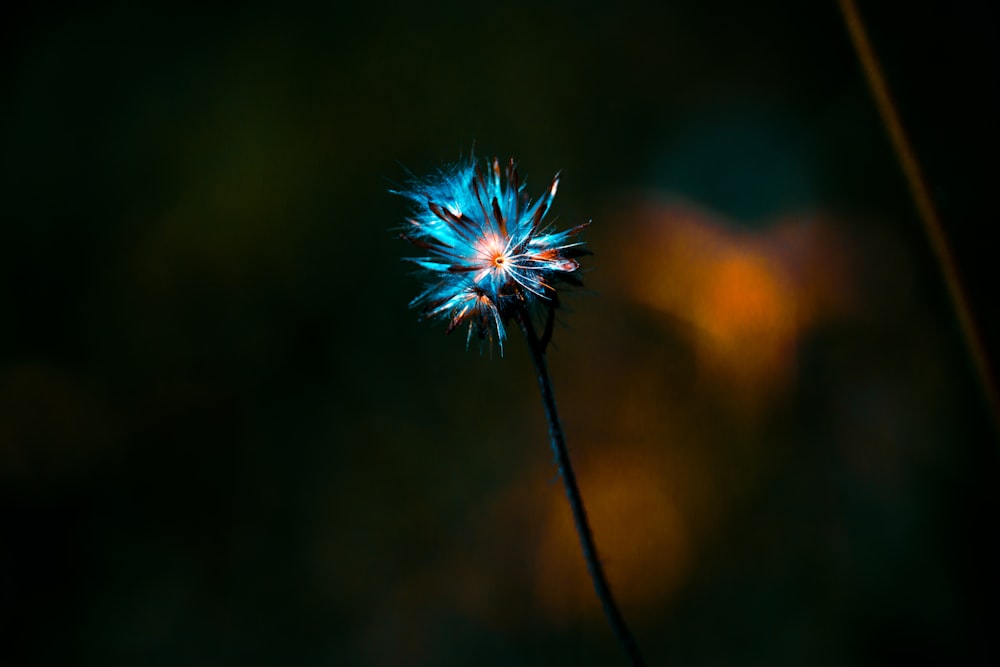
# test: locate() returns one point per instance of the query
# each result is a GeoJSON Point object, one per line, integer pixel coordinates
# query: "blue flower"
{"type": "Point", "coordinates": [488, 253]}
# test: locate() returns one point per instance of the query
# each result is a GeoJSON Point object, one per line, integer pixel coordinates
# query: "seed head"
{"type": "Point", "coordinates": [488, 252]}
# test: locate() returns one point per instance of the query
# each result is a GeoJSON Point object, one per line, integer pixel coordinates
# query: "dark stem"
{"type": "Point", "coordinates": [601, 586]}
{"type": "Point", "coordinates": [549, 323]}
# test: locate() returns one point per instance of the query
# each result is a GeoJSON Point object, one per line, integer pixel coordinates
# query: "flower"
{"type": "Point", "coordinates": [488, 254]}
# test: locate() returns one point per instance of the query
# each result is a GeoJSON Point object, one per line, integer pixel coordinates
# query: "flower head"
{"type": "Point", "coordinates": [488, 253]}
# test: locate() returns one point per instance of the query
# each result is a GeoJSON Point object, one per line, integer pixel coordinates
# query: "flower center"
{"type": "Point", "coordinates": [493, 254]}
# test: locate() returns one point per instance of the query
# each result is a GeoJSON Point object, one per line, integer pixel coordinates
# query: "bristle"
{"type": "Point", "coordinates": [498, 216]}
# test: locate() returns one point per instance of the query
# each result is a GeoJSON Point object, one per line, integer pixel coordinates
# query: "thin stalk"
{"type": "Point", "coordinates": [558, 440]}
{"type": "Point", "coordinates": [924, 204]}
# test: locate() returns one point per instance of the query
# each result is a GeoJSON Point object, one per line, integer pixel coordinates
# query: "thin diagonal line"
{"type": "Point", "coordinates": [925, 205]}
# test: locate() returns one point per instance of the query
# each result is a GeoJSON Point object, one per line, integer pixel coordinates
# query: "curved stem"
{"type": "Point", "coordinates": [594, 566]}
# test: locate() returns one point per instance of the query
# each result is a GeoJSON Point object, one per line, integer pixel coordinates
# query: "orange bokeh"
{"type": "Point", "coordinates": [641, 538]}
{"type": "Point", "coordinates": [747, 296]}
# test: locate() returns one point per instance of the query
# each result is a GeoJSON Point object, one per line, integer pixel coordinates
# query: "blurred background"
{"type": "Point", "coordinates": [225, 439]}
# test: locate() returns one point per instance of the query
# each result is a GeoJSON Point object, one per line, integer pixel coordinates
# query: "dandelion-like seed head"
{"type": "Point", "coordinates": [488, 251]}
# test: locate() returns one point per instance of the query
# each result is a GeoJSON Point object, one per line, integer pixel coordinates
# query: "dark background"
{"type": "Point", "coordinates": [225, 439]}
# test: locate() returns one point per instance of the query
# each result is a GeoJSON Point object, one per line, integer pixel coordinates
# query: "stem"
{"type": "Point", "coordinates": [594, 566]}
{"type": "Point", "coordinates": [924, 203]}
